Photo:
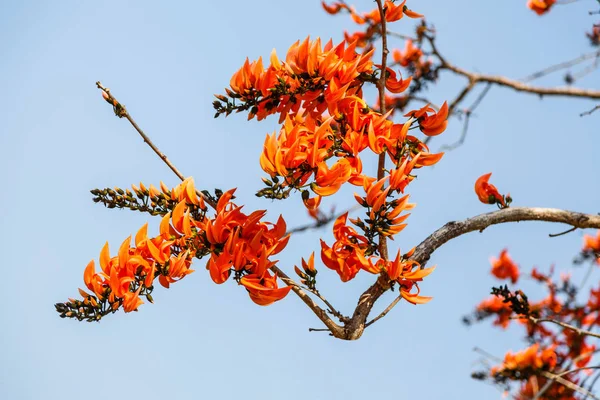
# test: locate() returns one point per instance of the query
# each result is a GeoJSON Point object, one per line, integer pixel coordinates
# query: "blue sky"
{"type": "Point", "coordinates": [164, 61]}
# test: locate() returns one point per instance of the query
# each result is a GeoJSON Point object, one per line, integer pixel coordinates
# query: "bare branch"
{"type": "Point", "coordinates": [463, 93]}
{"type": "Point", "coordinates": [463, 135]}
{"type": "Point", "coordinates": [467, 113]}
{"type": "Point", "coordinates": [563, 233]}
{"type": "Point", "coordinates": [512, 214]}
{"type": "Point", "coordinates": [331, 309]}
{"type": "Point", "coordinates": [590, 111]}
{"type": "Point", "coordinates": [511, 83]}
{"type": "Point", "coordinates": [384, 312]}
{"type": "Point", "coordinates": [322, 222]}
{"type": "Point", "coordinates": [335, 329]}
{"type": "Point", "coordinates": [121, 112]}
{"type": "Point", "coordinates": [568, 384]}
{"type": "Point", "coordinates": [562, 65]}
{"type": "Point", "coordinates": [401, 36]}
{"type": "Point", "coordinates": [543, 390]}
{"type": "Point", "coordinates": [579, 331]}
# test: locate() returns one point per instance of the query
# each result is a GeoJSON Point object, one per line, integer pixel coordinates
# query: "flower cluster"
{"type": "Point", "coordinates": [238, 244]}
{"type": "Point", "coordinates": [326, 126]}
{"type": "Point", "coordinates": [557, 347]}
{"type": "Point", "coordinates": [406, 273]}
{"type": "Point", "coordinates": [327, 129]}
{"type": "Point", "coordinates": [532, 358]}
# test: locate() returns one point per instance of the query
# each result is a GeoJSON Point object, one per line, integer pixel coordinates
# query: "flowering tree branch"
{"type": "Point", "coordinates": [353, 327]}
{"type": "Point", "coordinates": [121, 112]}
{"type": "Point", "coordinates": [453, 230]}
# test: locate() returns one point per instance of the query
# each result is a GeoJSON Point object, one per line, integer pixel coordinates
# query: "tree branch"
{"type": "Point", "coordinates": [579, 331]}
{"type": "Point", "coordinates": [451, 230]}
{"type": "Point", "coordinates": [383, 251]}
{"type": "Point", "coordinates": [511, 83]}
{"type": "Point", "coordinates": [562, 65]}
{"type": "Point", "coordinates": [512, 214]}
{"type": "Point", "coordinates": [568, 384]}
{"type": "Point", "coordinates": [384, 312]}
{"type": "Point", "coordinates": [335, 329]}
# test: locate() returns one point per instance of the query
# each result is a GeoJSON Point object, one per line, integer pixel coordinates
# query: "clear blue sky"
{"type": "Point", "coordinates": [164, 61]}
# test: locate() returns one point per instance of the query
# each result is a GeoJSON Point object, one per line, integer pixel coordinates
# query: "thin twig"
{"type": "Point", "coordinates": [122, 112]}
{"type": "Point", "coordinates": [590, 111]}
{"type": "Point", "coordinates": [401, 36]}
{"type": "Point", "coordinates": [591, 268]}
{"type": "Point", "coordinates": [384, 312]}
{"type": "Point", "coordinates": [511, 83]}
{"type": "Point", "coordinates": [480, 98]}
{"type": "Point", "coordinates": [562, 233]}
{"type": "Point", "coordinates": [322, 222]}
{"type": "Point", "coordinates": [335, 329]}
{"type": "Point", "coordinates": [331, 309]}
{"type": "Point", "coordinates": [562, 65]}
{"type": "Point", "coordinates": [463, 93]}
{"type": "Point", "coordinates": [579, 331]}
{"type": "Point", "coordinates": [549, 383]}
{"type": "Point", "coordinates": [568, 384]}
{"type": "Point", "coordinates": [318, 330]}
{"type": "Point", "coordinates": [463, 135]}
{"type": "Point", "coordinates": [467, 113]}
{"type": "Point", "coordinates": [486, 354]}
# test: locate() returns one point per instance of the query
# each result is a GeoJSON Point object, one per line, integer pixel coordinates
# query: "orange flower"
{"type": "Point", "coordinates": [531, 357]}
{"type": "Point", "coordinates": [131, 301]}
{"type": "Point", "coordinates": [504, 267]}
{"type": "Point", "coordinates": [263, 289]}
{"type": "Point", "coordinates": [434, 124]}
{"type": "Point", "coordinates": [376, 200]}
{"type": "Point", "coordinates": [329, 180]}
{"type": "Point", "coordinates": [333, 8]}
{"type": "Point", "coordinates": [591, 243]}
{"type": "Point", "coordinates": [346, 255]}
{"type": "Point", "coordinates": [540, 6]}
{"type": "Point", "coordinates": [496, 305]}
{"type": "Point", "coordinates": [311, 204]}
{"type": "Point", "coordinates": [241, 242]}
{"type": "Point", "coordinates": [487, 192]}
{"type": "Point", "coordinates": [403, 272]}
{"type": "Point", "coordinates": [411, 54]}
{"type": "Point", "coordinates": [396, 85]}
